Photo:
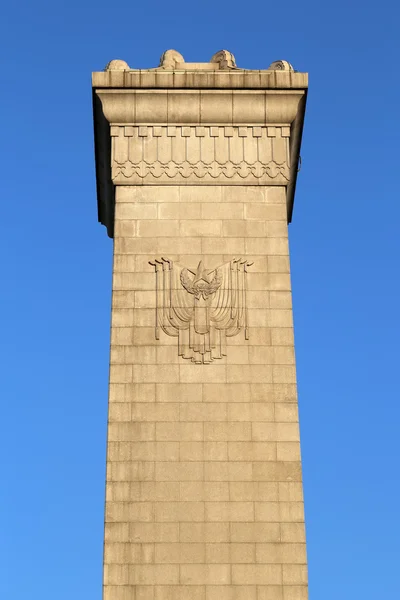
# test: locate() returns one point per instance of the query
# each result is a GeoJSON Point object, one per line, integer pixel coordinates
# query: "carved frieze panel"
{"type": "Point", "coordinates": [200, 155]}
{"type": "Point", "coordinates": [201, 306]}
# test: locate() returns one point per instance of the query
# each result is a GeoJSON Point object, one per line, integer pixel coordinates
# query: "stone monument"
{"type": "Point", "coordinates": [196, 167]}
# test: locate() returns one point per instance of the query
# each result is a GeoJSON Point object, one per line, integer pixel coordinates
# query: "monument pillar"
{"type": "Point", "coordinates": [196, 169]}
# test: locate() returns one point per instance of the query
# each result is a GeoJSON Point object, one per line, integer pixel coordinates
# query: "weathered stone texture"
{"type": "Point", "coordinates": [204, 495]}
{"type": "Point", "coordinates": [203, 464]}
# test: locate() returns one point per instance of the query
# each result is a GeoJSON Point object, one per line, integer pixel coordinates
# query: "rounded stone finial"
{"type": "Point", "coordinates": [280, 65]}
{"type": "Point", "coordinates": [117, 65]}
{"type": "Point", "coordinates": [170, 59]}
{"type": "Point", "coordinates": [225, 59]}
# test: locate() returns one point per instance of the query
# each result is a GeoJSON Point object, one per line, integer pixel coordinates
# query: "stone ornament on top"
{"type": "Point", "coordinates": [170, 59]}
{"type": "Point", "coordinates": [225, 59]}
{"type": "Point", "coordinates": [173, 60]}
{"type": "Point", "coordinates": [201, 307]}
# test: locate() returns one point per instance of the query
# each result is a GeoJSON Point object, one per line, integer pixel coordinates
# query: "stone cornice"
{"type": "Point", "coordinates": [200, 107]}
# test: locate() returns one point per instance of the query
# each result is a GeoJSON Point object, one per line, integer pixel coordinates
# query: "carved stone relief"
{"type": "Point", "coordinates": [201, 307]}
{"type": "Point", "coordinates": [225, 59]}
{"type": "Point", "coordinates": [162, 154]}
{"type": "Point", "coordinates": [281, 65]}
{"type": "Point", "coordinates": [172, 59]}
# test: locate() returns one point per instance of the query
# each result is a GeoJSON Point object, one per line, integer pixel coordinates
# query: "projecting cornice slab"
{"type": "Point", "coordinates": [200, 107]}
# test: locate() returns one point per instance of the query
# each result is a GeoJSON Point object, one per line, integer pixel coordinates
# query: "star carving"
{"type": "Point", "coordinates": [201, 274]}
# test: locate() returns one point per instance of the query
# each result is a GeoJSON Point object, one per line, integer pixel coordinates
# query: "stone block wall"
{"type": "Point", "coordinates": [204, 495]}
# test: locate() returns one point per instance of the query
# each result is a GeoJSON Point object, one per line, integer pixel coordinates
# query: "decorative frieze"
{"type": "Point", "coordinates": [200, 154]}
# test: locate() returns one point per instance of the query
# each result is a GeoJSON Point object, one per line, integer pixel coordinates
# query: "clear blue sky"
{"type": "Point", "coordinates": [56, 278]}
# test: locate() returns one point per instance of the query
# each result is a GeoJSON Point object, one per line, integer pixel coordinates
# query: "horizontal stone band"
{"type": "Point", "coordinates": [214, 170]}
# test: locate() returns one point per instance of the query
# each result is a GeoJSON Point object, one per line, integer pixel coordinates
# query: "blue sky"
{"type": "Point", "coordinates": [56, 278]}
